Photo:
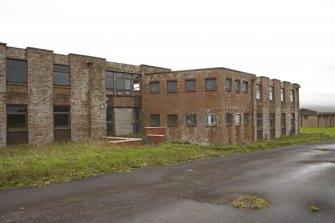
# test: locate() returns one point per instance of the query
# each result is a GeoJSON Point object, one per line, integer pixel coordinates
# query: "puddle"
{"type": "Point", "coordinates": [312, 169]}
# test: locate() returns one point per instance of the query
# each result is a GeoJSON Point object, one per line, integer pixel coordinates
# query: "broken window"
{"type": "Point", "coordinates": [155, 120]}
{"type": "Point", "coordinates": [16, 71]}
{"type": "Point", "coordinates": [210, 84]}
{"type": "Point", "coordinates": [62, 116]}
{"type": "Point", "coordinates": [191, 120]}
{"type": "Point", "coordinates": [172, 120]}
{"type": "Point", "coordinates": [292, 95]}
{"type": "Point", "coordinates": [237, 85]}
{"type": "Point", "coordinates": [190, 85]}
{"type": "Point", "coordinates": [237, 119]}
{"type": "Point", "coordinates": [61, 75]}
{"type": "Point", "coordinates": [171, 86]}
{"type": "Point", "coordinates": [282, 95]}
{"type": "Point", "coordinates": [154, 87]}
{"type": "Point", "coordinates": [245, 86]}
{"type": "Point", "coordinates": [271, 93]}
{"type": "Point", "coordinates": [229, 119]}
{"type": "Point", "coordinates": [211, 119]}
{"type": "Point", "coordinates": [228, 84]}
{"type": "Point", "coordinates": [258, 91]}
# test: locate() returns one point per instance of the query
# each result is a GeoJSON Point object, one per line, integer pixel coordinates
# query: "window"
{"type": "Point", "coordinates": [271, 93]}
{"type": "Point", "coordinates": [155, 120]}
{"type": "Point", "coordinates": [246, 118]}
{"type": "Point", "coordinates": [282, 95]}
{"type": "Point", "coordinates": [229, 119]}
{"type": "Point", "coordinates": [172, 120]}
{"type": "Point", "coordinates": [16, 117]}
{"type": "Point", "coordinates": [237, 119]}
{"type": "Point", "coordinates": [171, 86]}
{"type": "Point", "coordinates": [61, 116]}
{"type": "Point", "coordinates": [283, 120]}
{"type": "Point", "coordinates": [154, 87]}
{"type": "Point", "coordinates": [137, 82]}
{"type": "Point", "coordinates": [292, 120]}
{"type": "Point", "coordinates": [61, 75]}
{"type": "Point", "coordinates": [211, 119]}
{"type": "Point", "coordinates": [237, 85]}
{"type": "Point", "coordinates": [210, 84]}
{"type": "Point", "coordinates": [16, 71]}
{"type": "Point", "coordinates": [245, 86]}
{"type": "Point", "coordinates": [123, 81]}
{"type": "Point", "coordinates": [228, 84]}
{"type": "Point", "coordinates": [272, 120]}
{"type": "Point", "coordinates": [191, 120]}
{"type": "Point", "coordinates": [109, 80]}
{"type": "Point", "coordinates": [292, 95]}
{"type": "Point", "coordinates": [258, 91]}
{"type": "Point", "coordinates": [190, 85]}
{"type": "Point", "coordinates": [259, 117]}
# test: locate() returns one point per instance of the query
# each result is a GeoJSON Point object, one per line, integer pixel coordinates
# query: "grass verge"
{"type": "Point", "coordinates": [327, 131]}
{"type": "Point", "coordinates": [41, 165]}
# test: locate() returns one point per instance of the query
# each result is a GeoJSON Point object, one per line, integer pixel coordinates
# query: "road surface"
{"type": "Point", "coordinates": [291, 178]}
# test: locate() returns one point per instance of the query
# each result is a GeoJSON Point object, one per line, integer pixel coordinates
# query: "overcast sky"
{"type": "Point", "coordinates": [292, 40]}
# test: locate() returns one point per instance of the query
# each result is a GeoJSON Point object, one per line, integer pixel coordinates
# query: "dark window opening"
{"type": "Point", "coordinates": [16, 117]}
{"type": "Point", "coordinates": [190, 85]}
{"type": "Point", "coordinates": [172, 120]}
{"type": "Point", "coordinates": [229, 119]}
{"type": "Point", "coordinates": [246, 118]}
{"type": "Point", "coordinates": [61, 75]}
{"type": "Point", "coordinates": [283, 120]}
{"type": "Point", "coordinates": [210, 84]}
{"type": "Point", "coordinates": [272, 120]}
{"type": "Point", "coordinates": [109, 80]}
{"type": "Point", "coordinates": [155, 120]}
{"type": "Point", "coordinates": [16, 71]}
{"type": "Point", "coordinates": [259, 121]}
{"type": "Point", "coordinates": [191, 120]}
{"type": "Point", "coordinates": [171, 86]}
{"type": "Point", "coordinates": [62, 117]}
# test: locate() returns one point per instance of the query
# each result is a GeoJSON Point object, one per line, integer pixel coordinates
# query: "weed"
{"type": "Point", "coordinates": [314, 208]}
{"type": "Point", "coordinates": [250, 201]}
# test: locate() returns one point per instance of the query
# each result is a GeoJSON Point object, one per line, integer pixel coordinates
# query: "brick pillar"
{"type": "Point", "coordinates": [88, 94]}
{"type": "Point", "coordinates": [2, 94]}
{"type": "Point", "coordinates": [265, 105]}
{"type": "Point", "coordinates": [277, 87]}
{"type": "Point", "coordinates": [296, 107]}
{"type": "Point", "coordinates": [40, 90]}
{"type": "Point", "coordinates": [287, 108]}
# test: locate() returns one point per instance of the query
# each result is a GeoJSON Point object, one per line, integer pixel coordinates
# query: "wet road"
{"type": "Point", "coordinates": [291, 178]}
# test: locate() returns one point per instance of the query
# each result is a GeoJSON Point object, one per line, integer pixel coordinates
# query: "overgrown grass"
{"type": "Point", "coordinates": [328, 131]}
{"type": "Point", "coordinates": [41, 165]}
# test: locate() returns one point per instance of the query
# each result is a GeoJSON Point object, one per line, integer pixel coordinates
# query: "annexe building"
{"type": "Point", "coordinates": [47, 97]}
{"type": "Point", "coordinates": [317, 118]}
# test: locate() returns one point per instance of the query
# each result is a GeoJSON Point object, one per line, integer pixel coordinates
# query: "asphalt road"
{"type": "Point", "coordinates": [291, 178]}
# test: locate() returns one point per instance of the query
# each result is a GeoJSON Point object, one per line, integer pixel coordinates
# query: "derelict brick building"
{"type": "Point", "coordinates": [46, 97]}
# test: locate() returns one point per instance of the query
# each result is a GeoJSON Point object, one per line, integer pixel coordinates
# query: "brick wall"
{"type": "Point", "coordinates": [40, 100]}
{"type": "Point", "coordinates": [2, 94]}
{"type": "Point", "coordinates": [88, 94]}
{"type": "Point", "coordinates": [201, 103]}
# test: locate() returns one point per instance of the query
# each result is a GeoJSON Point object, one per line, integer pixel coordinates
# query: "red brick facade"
{"type": "Point", "coordinates": [222, 116]}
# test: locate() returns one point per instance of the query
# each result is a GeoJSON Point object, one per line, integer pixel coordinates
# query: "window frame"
{"type": "Point", "coordinates": [152, 124]}
{"type": "Point", "coordinates": [228, 81]}
{"type": "Point", "coordinates": [168, 82]}
{"type": "Point", "coordinates": [187, 116]}
{"type": "Point", "coordinates": [111, 78]}
{"type": "Point", "coordinates": [272, 120]}
{"type": "Point", "coordinates": [283, 120]}
{"type": "Point", "coordinates": [259, 121]}
{"type": "Point", "coordinates": [151, 84]}
{"type": "Point", "coordinates": [229, 119]}
{"type": "Point", "coordinates": [207, 80]}
{"type": "Point", "coordinates": [245, 86]}
{"type": "Point", "coordinates": [56, 113]}
{"type": "Point", "coordinates": [258, 90]}
{"type": "Point", "coordinates": [237, 85]}
{"type": "Point", "coordinates": [65, 70]}
{"type": "Point", "coordinates": [246, 118]}
{"type": "Point", "coordinates": [292, 96]}
{"type": "Point", "coordinates": [271, 93]}
{"type": "Point", "coordinates": [25, 114]}
{"type": "Point", "coordinates": [195, 85]}
{"type": "Point", "coordinates": [211, 120]}
{"type": "Point", "coordinates": [282, 94]}
{"type": "Point", "coordinates": [239, 119]}
{"type": "Point", "coordinates": [24, 68]}
{"type": "Point", "coordinates": [168, 120]}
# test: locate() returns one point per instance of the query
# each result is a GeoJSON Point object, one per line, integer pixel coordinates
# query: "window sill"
{"type": "Point", "coordinates": [17, 84]}
{"type": "Point", "coordinates": [17, 130]}
{"type": "Point", "coordinates": [61, 128]}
